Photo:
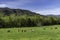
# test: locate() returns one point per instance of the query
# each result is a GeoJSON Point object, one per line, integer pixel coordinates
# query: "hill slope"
{"type": "Point", "coordinates": [8, 11]}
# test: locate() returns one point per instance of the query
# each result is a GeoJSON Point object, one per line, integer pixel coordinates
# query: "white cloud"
{"type": "Point", "coordinates": [55, 11]}
{"type": "Point", "coordinates": [3, 5]}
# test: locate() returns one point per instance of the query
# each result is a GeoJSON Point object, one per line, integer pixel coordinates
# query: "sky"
{"type": "Point", "coordinates": [44, 7]}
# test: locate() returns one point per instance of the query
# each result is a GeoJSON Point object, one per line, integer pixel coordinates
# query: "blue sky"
{"type": "Point", "coordinates": [39, 6]}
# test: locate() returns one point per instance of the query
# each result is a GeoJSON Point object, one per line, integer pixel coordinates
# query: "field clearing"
{"type": "Point", "coordinates": [31, 33]}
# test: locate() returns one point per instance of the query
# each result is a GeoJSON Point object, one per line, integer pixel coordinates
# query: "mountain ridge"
{"type": "Point", "coordinates": [8, 11]}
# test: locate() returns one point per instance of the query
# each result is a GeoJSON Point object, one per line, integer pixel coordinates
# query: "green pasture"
{"type": "Point", "coordinates": [31, 33]}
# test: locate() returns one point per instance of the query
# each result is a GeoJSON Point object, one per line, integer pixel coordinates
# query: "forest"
{"type": "Point", "coordinates": [24, 18]}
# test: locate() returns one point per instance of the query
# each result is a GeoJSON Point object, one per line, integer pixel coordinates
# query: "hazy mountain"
{"type": "Point", "coordinates": [53, 15]}
{"type": "Point", "coordinates": [8, 11]}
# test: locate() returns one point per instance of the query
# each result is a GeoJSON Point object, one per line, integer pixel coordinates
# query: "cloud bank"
{"type": "Point", "coordinates": [3, 5]}
{"type": "Point", "coordinates": [55, 11]}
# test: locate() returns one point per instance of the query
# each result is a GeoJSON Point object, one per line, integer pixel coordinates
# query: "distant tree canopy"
{"type": "Point", "coordinates": [27, 21]}
{"type": "Point", "coordinates": [23, 18]}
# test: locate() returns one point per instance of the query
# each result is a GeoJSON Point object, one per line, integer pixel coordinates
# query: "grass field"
{"type": "Point", "coordinates": [38, 33]}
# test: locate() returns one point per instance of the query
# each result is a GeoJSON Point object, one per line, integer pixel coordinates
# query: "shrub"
{"type": "Point", "coordinates": [44, 28]}
{"type": "Point", "coordinates": [55, 27]}
{"type": "Point", "coordinates": [8, 31]}
{"type": "Point", "coordinates": [51, 28]}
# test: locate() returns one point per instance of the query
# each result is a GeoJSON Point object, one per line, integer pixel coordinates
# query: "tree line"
{"type": "Point", "coordinates": [27, 21]}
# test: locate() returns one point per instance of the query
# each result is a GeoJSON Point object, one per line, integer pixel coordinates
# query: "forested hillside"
{"type": "Point", "coordinates": [24, 18]}
{"type": "Point", "coordinates": [7, 11]}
